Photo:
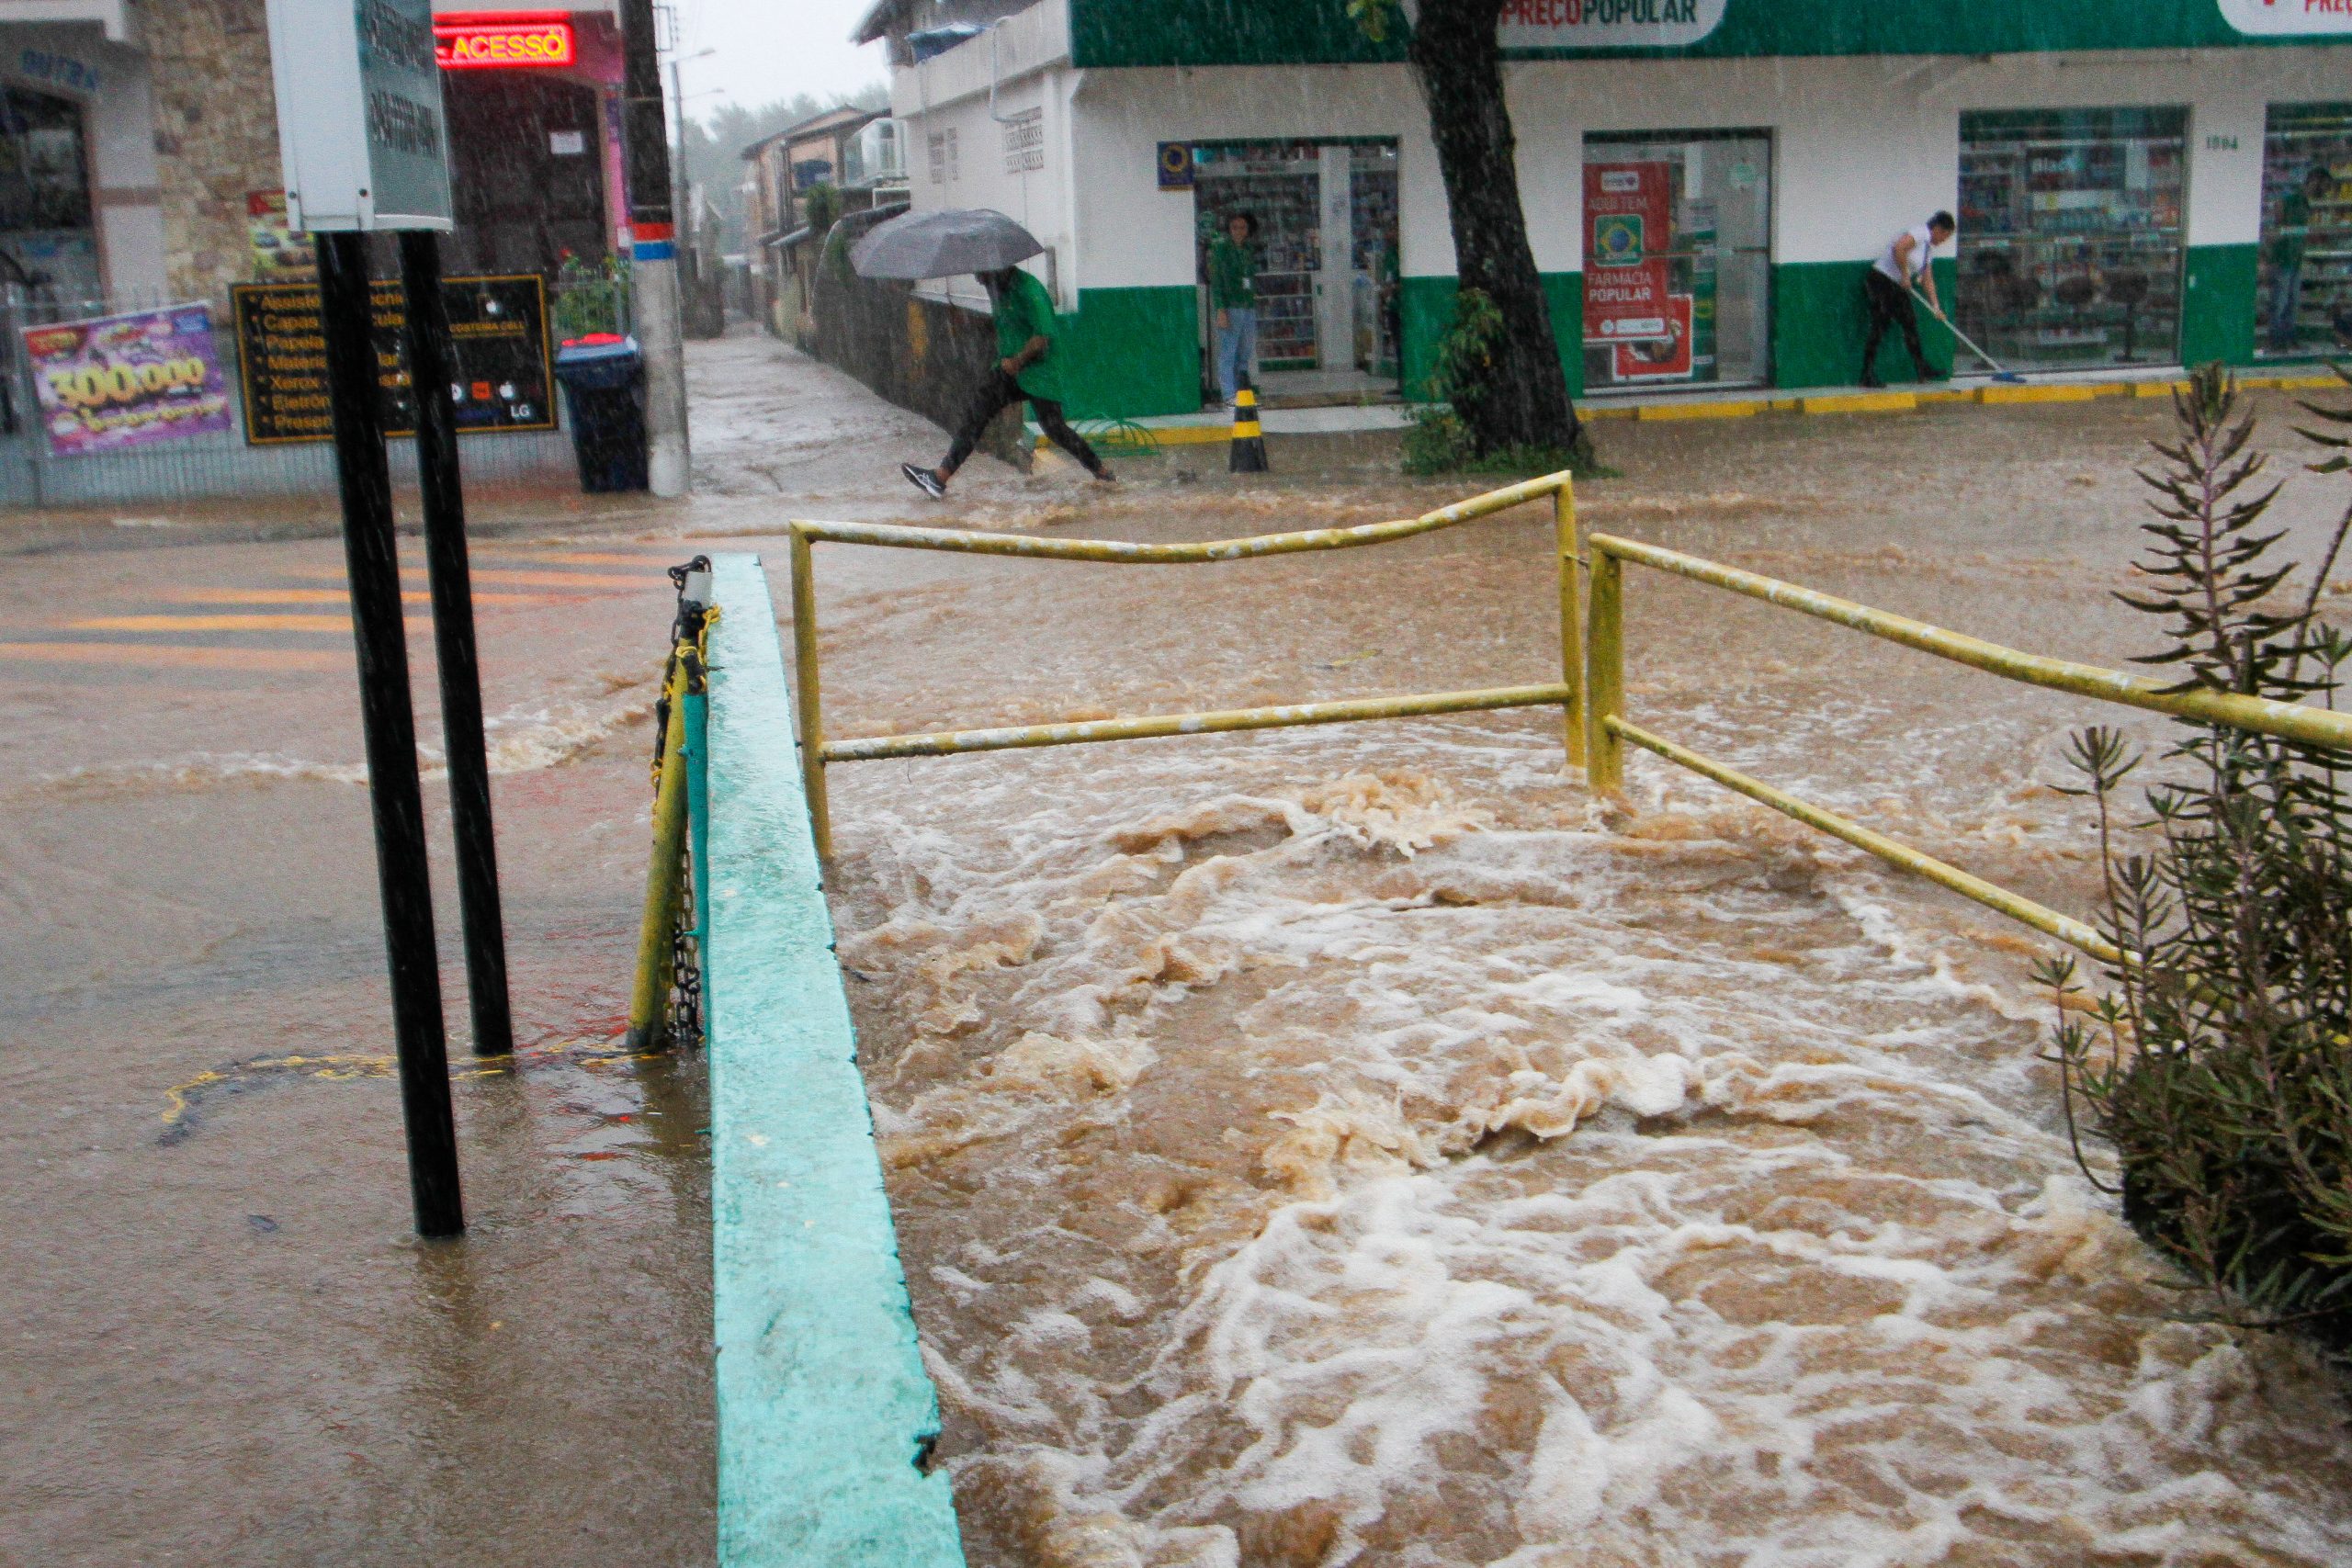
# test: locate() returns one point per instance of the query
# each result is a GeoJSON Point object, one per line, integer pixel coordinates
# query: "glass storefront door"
{"type": "Point", "coordinates": [1326, 257]}
{"type": "Point", "coordinates": [2070, 236]}
{"type": "Point", "coordinates": [1677, 230]}
{"type": "Point", "coordinates": [48, 240]}
{"type": "Point", "coordinates": [2304, 304]}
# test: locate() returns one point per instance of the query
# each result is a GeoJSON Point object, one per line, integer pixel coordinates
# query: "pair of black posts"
{"type": "Point", "coordinates": [354, 390]}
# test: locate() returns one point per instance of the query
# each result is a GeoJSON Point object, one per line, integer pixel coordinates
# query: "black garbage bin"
{"type": "Point", "coordinates": [603, 385]}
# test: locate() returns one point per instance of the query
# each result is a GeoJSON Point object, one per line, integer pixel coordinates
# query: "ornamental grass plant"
{"type": "Point", "coordinates": [2217, 1063]}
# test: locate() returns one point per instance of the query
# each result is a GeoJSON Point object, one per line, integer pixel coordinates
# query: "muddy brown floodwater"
{"type": "Point", "coordinates": [1340, 1146]}
{"type": "Point", "coordinates": [1354, 1146]}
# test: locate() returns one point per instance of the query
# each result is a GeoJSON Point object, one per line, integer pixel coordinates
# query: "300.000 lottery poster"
{"type": "Point", "coordinates": [121, 382]}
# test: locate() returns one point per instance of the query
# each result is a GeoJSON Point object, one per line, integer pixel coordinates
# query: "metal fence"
{"type": "Point", "coordinates": [212, 465]}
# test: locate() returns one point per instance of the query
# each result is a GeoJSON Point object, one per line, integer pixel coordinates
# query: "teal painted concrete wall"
{"type": "Point", "coordinates": [2217, 303]}
{"type": "Point", "coordinates": [1131, 353]}
{"type": "Point", "coordinates": [824, 1410]}
{"type": "Point", "coordinates": [1425, 312]}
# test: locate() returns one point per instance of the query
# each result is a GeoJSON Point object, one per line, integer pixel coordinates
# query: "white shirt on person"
{"type": "Point", "coordinates": [1923, 251]}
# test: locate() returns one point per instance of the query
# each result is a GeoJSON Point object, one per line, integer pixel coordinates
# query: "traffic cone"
{"type": "Point", "coordinates": [1248, 456]}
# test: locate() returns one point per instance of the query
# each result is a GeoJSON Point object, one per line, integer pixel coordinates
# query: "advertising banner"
{"type": "Point", "coordinates": [121, 382]}
{"type": "Point", "coordinates": [1629, 230]}
{"type": "Point", "coordinates": [280, 255]}
{"type": "Point", "coordinates": [1663, 358]}
{"type": "Point", "coordinates": [498, 326]}
{"type": "Point", "coordinates": [1546, 25]}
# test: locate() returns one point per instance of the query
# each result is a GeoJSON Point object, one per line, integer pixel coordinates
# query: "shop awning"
{"type": "Point", "coordinates": [112, 14]}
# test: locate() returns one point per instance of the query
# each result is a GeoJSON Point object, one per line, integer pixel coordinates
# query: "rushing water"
{"type": "Point", "coordinates": [1360, 1146]}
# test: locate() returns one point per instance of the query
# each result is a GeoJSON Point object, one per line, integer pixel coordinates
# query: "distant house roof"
{"type": "Point", "coordinates": [847, 118]}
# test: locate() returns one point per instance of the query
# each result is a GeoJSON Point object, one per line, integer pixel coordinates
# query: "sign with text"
{"type": "Point", "coordinates": [2288, 18]}
{"type": "Point", "coordinates": [1607, 24]}
{"type": "Point", "coordinates": [1666, 357]}
{"type": "Point", "coordinates": [492, 41]}
{"type": "Point", "coordinates": [121, 382]}
{"type": "Point", "coordinates": [1629, 228]}
{"type": "Point", "coordinates": [359, 123]}
{"type": "Point", "coordinates": [498, 326]}
{"type": "Point", "coordinates": [280, 255]}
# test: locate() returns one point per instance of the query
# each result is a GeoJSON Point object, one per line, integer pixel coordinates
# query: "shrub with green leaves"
{"type": "Point", "coordinates": [1439, 441]}
{"type": "Point", "coordinates": [2219, 1063]}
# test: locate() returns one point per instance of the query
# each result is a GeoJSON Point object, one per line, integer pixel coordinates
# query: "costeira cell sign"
{"type": "Point", "coordinates": [359, 121]}
{"type": "Point", "coordinates": [1576, 25]}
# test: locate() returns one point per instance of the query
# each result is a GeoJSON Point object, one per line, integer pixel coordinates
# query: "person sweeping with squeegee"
{"type": "Point", "coordinates": [1888, 288]}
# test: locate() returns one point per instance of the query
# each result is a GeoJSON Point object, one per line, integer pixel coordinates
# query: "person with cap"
{"type": "Point", "coordinates": [1904, 265]}
{"type": "Point", "coordinates": [1233, 296]}
{"type": "Point", "coordinates": [1026, 367]}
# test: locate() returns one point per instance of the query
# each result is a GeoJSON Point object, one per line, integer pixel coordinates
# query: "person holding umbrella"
{"type": "Point", "coordinates": [1024, 368]}
{"type": "Point", "coordinates": [991, 246]}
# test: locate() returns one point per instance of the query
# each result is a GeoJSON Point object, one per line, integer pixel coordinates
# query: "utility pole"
{"type": "Point", "coordinates": [654, 235]}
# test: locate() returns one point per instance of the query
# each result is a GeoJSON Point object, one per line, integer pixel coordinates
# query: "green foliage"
{"type": "Point", "coordinates": [825, 207]}
{"type": "Point", "coordinates": [1440, 440]}
{"type": "Point", "coordinates": [2220, 1065]}
{"type": "Point", "coordinates": [590, 296]}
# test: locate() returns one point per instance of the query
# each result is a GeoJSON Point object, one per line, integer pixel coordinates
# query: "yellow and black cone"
{"type": "Point", "coordinates": [1248, 441]}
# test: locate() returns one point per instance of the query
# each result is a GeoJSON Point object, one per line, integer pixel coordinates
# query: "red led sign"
{"type": "Point", "coordinates": [485, 41]}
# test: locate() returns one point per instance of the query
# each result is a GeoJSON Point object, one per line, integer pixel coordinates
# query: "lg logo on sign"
{"type": "Point", "coordinates": [2288, 18]}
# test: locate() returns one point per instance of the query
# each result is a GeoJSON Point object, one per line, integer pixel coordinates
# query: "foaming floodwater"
{"type": "Point", "coordinates": [1360, 1147]}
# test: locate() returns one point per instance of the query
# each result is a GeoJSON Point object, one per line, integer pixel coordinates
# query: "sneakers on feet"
{"type": "Point", "coordinates": [924, 480]}
{"type": "Point", "coordinates": [1105, 477]}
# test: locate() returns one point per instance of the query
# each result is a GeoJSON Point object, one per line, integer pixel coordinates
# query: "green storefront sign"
{"type": "Point", "coordinates": [1320, 32]}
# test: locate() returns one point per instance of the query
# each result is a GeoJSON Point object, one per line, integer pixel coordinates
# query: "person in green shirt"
{"type": "Point", "coordinates": [2292, 239]}
{"type": "Point", "coordinates": [1233, 296]}
{"type": "Point", "coordinates": [1026, 367]}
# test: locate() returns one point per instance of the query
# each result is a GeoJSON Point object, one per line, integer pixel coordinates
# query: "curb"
{"type": "Point", "coordinates": [1890, 402]}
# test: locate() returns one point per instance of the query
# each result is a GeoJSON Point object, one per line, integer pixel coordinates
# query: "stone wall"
{"type": "Point", "coordinates": [216, 135]}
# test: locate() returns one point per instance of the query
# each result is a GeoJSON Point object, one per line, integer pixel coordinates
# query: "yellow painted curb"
{"type": "Point", "coordinates": [2074, 393]}
{"type": "Point", "coordinates": [1609, 410]}
{"type": "Point", "coordinates": [1949, 395]}
{"type": "Point", "coordinates": [1861, 402]}
{"type": "Point", "coordinates": [1733, 408]}
{"type": "Point", "coordinates": [2157, 388]}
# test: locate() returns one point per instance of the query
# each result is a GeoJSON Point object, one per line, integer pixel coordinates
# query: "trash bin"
{"type": "Point", "coordinates": [603, 385]}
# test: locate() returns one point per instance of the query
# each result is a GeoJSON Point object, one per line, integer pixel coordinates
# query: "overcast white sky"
{"type": "Point", "coordinates": [773, 49]}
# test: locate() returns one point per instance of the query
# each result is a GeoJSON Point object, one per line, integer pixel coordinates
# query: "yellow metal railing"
{"type": "Point", "coordinates": [1608, 731]}
{"type": "Point", "coordinates": [817, 753]}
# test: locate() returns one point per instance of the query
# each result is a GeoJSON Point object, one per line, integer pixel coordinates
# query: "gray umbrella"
{"type": "Point", "coordinates": [942, 244]}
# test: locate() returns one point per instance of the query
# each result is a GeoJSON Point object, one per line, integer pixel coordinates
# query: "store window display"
{"type": "Point", "coordinates": [2070, 235]}
{"type": "Point", "coordinates": [2303, 303]}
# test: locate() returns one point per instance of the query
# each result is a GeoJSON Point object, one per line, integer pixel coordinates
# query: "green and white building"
{"type": "Point", "coordinates": [1705, 180]}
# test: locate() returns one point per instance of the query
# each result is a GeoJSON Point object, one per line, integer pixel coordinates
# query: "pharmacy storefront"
{"type": "Point", "coordinates": [1704, 182]}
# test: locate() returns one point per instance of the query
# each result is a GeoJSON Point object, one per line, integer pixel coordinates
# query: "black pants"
{"type": "Point", "coordinates": [999, 392]}
{"type": "Point", "coordinates": [1889, 302]}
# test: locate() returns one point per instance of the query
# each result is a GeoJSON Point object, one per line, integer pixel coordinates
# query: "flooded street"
{"type": "Point", "coordinates": [1327, 1146]}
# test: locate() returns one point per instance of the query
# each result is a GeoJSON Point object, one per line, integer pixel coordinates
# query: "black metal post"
{"type": "Point", "coordinates": [355, 390]}
{"type": "Point", "coordinates": [432, 369]}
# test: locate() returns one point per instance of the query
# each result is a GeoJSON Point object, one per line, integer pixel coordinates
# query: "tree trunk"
{"type": "Point", "coordinates": [1457, 59]}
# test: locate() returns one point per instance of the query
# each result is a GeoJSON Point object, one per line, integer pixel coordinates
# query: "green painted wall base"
{"type": "Point", "coordinates": [2218, 286]}
{"type": "Point", "coordinates": [1425, 312]}
{"type": "Point", "coordinates": [1131, 353]}
{"type": "Point", "coordinates": [825, 1412]}
{"type": "Point", "coordinates": [1820, 324]}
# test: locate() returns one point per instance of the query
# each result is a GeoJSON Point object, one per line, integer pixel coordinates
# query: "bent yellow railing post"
{"type": "Point", "coordinates": [1564, 517]}
{"type": "Point", "coordinates": [807, 698]}
{"type": "Point", "coordinates": [655, 948]}
{"type": "Point", "coordinates": [951, 743]}
{"type": "Point", "coordinates": [1604, 690]}
{"type": "Point", "coordinates": [2066, 927]}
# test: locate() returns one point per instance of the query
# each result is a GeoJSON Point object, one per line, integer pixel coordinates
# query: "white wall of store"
{"type": "Point", "coordinates": [1861, 147]}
